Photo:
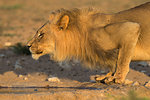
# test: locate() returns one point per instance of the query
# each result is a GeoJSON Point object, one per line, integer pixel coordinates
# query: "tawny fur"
{"type": "Point", "coordinates": [95, 38]}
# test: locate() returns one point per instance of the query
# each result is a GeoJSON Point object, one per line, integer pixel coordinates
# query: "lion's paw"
{"type": "Point", "coordinates": [100, 78]}
{"type": "Point", "coordinates": [119, 80]}
{"type": "Point", "coordinates": [109, 79]}
{"type": "Point", "coordinates": [113, 79]}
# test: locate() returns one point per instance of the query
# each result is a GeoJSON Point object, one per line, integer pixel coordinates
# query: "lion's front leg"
{"type": "Point", "coordinates": [101, 78]}
{"type": "Point", "coordinates": [122, 68]}
{"type": "Point", "coordinates": [126, 50]}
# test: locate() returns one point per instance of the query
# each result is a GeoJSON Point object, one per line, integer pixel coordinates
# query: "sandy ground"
{"type": "Point", "coordinates": [22, 78]}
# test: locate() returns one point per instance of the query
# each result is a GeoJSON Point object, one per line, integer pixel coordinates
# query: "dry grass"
{"type": "Point", "coordinates": [132, 95]}
{"type": "Point", "coordinates": [11, 7]}
{"type": "Point", "coordinates": [20, 49]}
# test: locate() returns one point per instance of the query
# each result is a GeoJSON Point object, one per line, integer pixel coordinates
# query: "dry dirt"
{"type": "Point", "coordinates": [22, 78]}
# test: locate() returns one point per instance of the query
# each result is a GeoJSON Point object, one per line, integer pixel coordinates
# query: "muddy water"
{"type": "Point", "coordinates": [51, 93]}
{"type": "Point", "coordinates": [22, 90]}
{"type": "Point", "coordinates": [29, 90]}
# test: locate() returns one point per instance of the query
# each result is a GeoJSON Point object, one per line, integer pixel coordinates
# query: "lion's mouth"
{"type": "Point", "coordinates": [39, 52]}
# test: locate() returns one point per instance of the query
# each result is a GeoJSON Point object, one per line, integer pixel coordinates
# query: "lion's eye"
{"type": "Point", "coordinates": [41, 35]}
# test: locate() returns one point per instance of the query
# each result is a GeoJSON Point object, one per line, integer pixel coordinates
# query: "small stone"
{"type": "Point", "coordinates": [53, 79]}
{"type": "Point", "coordinates": [18, 65]}
{"type": "Point", "coordinates": [136, 83]}
{"type": "Point", "coordinates": [142, 63]}
{"type": "Point", "coordinates": [8, 44]}
{"type": "Point", "coordinates": [128, 82]}
{"type": "Point", "coordinates": [147, 84]}
{"type": "Point", "coordinates": [2, 55]}
{"type": "Point", "coordinates": [143, 71]}
{"type": "Point", "coordinates": [25, 78]}
{"type": "Point", "coordinates": [20, 76]}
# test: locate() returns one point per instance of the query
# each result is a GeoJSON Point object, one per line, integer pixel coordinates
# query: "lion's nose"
{"type": "Point", "coordinates": [28, 45]}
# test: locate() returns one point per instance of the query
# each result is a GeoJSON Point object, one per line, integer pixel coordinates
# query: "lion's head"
{"type": "Point", "coordinates": [57, 36]}
{"type": "Point", "coordinates": [43, 42]}
{"type": "Point", "coordinates": [66, 35]}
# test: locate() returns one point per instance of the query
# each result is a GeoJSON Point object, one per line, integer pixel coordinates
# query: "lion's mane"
{"type": "Point", "coordinates": [82, 46]}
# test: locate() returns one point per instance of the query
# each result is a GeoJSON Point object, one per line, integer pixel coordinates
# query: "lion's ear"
{"type": "Point", "coordinates": [51, 17]}
{"type": "Point", "coordinates": [63, 22]}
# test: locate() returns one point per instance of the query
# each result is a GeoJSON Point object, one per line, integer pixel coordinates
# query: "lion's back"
{"type": "Point", "coordinates": [141, 15]}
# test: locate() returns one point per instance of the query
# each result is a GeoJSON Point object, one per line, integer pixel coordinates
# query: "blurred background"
{"type": "Point", "coordinates": [19, 19]}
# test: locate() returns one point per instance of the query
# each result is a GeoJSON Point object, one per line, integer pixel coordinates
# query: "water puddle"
{"type": "Point", "coordinates": [29, 90]}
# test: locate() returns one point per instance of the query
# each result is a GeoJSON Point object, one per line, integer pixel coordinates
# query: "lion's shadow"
{"type": "Point", "coordinates": [23, 64]}
{"type": "Point", "coordinates": [10, 60]}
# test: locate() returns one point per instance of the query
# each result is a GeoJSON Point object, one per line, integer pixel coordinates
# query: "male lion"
{"type": "Point", "coordinates": [96, 39]}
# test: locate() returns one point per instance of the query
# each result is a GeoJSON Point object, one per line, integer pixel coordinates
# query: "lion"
{"type": "Point", "coordinates": [96, 39]}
